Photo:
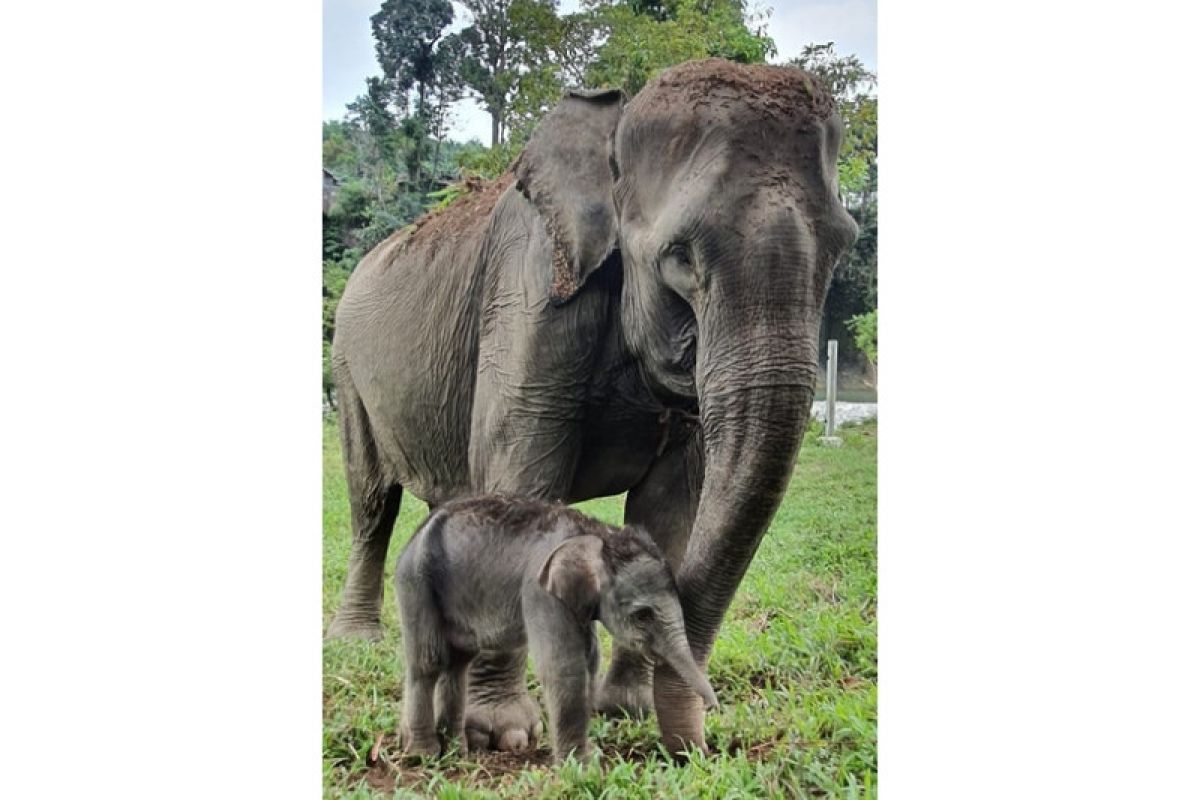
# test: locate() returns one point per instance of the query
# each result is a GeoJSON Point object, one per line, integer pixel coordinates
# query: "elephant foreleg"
{"type": "Point", "coordinates": [664, 503]}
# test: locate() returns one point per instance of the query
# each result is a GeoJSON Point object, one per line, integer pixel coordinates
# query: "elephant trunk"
{"type": "Point", "coordinates": [755, 401]}
{"type": "Point", "coordinates": [745, 477]}
{"type": "Point", "coordinates": [676, 653]}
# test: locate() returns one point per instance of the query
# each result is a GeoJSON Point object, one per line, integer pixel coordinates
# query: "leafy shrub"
{"type": "Point", "coordinates": [866, 334]}
{"type": "Point", "coordinates": [866, 337]}
{"type": "Point", "coordinates": [442, 198]}
{"type": "Point", "coordinates": [475, 160]}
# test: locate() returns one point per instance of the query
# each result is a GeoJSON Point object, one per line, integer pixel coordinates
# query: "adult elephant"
{"type": "Point", "coordinates": [634, 307]}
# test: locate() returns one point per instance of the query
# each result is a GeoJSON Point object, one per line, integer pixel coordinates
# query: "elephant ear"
{"type": "Point", "coordinates": [575, 574]}
{"type": "Point", "coordinates": [564, 172]}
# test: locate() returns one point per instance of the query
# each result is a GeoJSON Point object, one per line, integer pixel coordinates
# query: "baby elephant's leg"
{"type": "Point", "coordinates": [593, 663]}
{"type": "Point", "coordinates": [569, 704]}
{"type": "Point", "coordinates": [565, 663]}
{"type": "Point", "coordinates": [451, 699]}
{"type": "Point", "coordinates": [420, 735]}
{"type": "Point", "coordinates": [425, 658]}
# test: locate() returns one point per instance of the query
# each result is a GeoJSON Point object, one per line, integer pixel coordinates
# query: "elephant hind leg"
{"type": "Point", "coordinates": [450, 698]}
{"type": "Point", "coordinates": [374, 506]}
{"type": "Point", "coordinates": [500, 714]}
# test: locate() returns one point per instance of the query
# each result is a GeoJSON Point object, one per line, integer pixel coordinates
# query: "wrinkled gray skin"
{"type": "Point", "coordinates": [499, 574]}
{"type": "Point", "coordinates": [637, 310]}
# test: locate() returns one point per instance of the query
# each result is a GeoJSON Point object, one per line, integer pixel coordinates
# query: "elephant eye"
{"type": "Point", "coordinates": [681, 253]}
{"type": "Point", "coordinates": [643, 615]}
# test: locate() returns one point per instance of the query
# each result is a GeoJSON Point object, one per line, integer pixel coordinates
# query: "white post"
{"type": "Point", "coordinates": [831, 389]}
{"type": "Point", "coordinates": [829, 439]}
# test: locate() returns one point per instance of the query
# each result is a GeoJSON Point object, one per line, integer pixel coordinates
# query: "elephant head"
{"type": "Point", "coordinates": [623, 580]}
{"type": "Point", "coordinates": [717, 186]}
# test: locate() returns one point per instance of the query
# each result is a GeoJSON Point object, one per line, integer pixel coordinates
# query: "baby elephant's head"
{"type": "Point", "coordinates": [622, 580]}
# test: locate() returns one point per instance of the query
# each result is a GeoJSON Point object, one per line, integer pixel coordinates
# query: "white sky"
{"type": "Point", "coordinates": [349, 50]}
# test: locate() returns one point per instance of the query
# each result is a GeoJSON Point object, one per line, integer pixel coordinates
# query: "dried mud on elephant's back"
{"type": "Point", "coordinates": [437, 228]}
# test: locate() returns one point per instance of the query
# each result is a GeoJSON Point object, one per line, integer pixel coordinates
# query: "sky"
{"type": "Point", "coordinates": [349, 50]}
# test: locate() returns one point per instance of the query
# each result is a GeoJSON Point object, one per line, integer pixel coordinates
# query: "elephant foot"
{"type": "Point", "coordinates": [415, 747]}
{"type": "Point", "coordinates": [511, 723]}
{"type": "Point", "coordinates": [500, 714]}
{"type": "Point", "coordinates": [582, 753]}
{"type": "Point", "coordinates": [624, 696]}
{"type": "Point", "coordinates": [354, 627]}
{"type": "Point", "coordinates": [680, 713]}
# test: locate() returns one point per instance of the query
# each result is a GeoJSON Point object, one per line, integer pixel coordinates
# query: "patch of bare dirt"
{"type": "Point", "coordinates": [755, 751]}
{"type": "Point", "coordinates": [388, 767]}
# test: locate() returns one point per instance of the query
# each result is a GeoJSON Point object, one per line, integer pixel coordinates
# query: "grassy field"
{"type": "Point", "coordinates": [794, 667]}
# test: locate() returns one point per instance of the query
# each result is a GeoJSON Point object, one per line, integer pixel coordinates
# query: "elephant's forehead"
{"type": "Point", "coordinates": [641, 575]}
{"type": "Point", "coordinates": [725, 135]}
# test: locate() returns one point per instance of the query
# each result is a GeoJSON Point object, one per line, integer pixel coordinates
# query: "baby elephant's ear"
{"type": "Point", "coordinates": [575, 573]}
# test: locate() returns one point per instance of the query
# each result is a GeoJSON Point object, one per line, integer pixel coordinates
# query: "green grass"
{"type": "Point", "coordinates": [794, 666]}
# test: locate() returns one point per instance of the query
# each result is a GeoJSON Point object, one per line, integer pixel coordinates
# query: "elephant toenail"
{"type": "Point", "coordinates": [514, 741]}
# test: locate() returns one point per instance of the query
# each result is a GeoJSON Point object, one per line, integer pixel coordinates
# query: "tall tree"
{"type": "Point", "coordinates": [448, 90]}
{"type": "Point", "coordinates": [506, 40]}
{"type": "Point", "coordinates": [575, 47]}
{"type": "Point", "coordinates": [643, 37]}
{"type": "Point", "coordinates": [371, 113]}
{"type": "Point", "coordinates": [406, 34]}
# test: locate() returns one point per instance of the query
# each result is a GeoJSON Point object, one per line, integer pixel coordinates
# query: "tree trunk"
{"type": "Point", "coordinates": [420, 144]}
{"type": "Point", "coordinates": [437, 152]}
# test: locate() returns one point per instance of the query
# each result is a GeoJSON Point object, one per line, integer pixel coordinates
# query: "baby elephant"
{"type": "Point", "coordinates": [494, 573]}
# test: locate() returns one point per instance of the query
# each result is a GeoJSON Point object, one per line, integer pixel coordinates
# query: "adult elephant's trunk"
{"type": "Point", "coordinates": [754, 399]}
{"type": "Point", "coordinates": [751, 438]}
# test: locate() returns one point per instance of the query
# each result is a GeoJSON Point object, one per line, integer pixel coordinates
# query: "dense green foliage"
{"type": "Point", "coordinates": [643, 38]}
{"type": "Point", "coordinates": [392, 159]}
{"type": "Point", "coordinates": [866, 337]}
{"type": "Point", "coordinates": [794, 666]}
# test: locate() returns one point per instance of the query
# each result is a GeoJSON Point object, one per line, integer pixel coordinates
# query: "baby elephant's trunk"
{"type": "Point", "coordinates": [678, 654]}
